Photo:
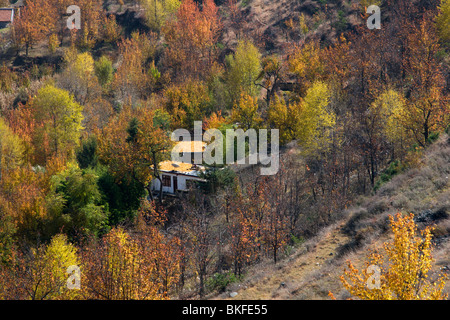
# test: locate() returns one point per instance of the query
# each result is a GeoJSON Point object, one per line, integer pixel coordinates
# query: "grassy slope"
{"type": "Point", "coordinates": [314, 267]}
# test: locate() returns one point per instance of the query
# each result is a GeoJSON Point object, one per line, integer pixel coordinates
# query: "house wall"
{"type": "Point", "coordinates": [182, 183]}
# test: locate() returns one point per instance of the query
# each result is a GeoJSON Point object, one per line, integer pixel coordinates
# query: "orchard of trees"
{"type": "Point", "coordinates": [82, 138]}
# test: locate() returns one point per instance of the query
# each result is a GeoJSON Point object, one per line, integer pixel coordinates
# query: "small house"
{"type": "Point", "coordinates": [176, 176]}
{"type": "Point", "coordinates": [6, 17]}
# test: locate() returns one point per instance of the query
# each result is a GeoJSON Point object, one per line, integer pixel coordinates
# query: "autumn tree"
{"type": "Point", "coordinates": [42, 274]}
{"type": "Point", "coordinates": [79, 76]}
{"type": "Point", "coordinates": [11, 149]}
{"type": "Point", "coordinates": [270, 201]}
{"type": "Point", "coordinates": [214, 121]}
{"type": "Point", "coordinates": [388, 111]}
{"type": "Point", "coordinates": [243, 69]}
{"type": "Point", "coordinates": [443, 20]}
{"type": "Point", "coordinates": [306, 64]}
{"type": "Point", "coordinates": [11, 157]}
{"type": "Point", "coordinates": [36, 20]}
{"type": "Point", "coordinates": [404, 267]}
{"type": "Point", "coordinates": [132, 146]}
{"type": "Point", "coordinates": [245, 112]}
{"type": "Point", "coordinates": [317, 119]}
{"type": "Point", "coordinates": [186, 103]}
{"type": "Point", "coordinates": [131, 81]}
{"type": "Point", "coordinates": [191, 39]}
{"type": "Point", "coordinates": [158, 11]}
{"type": "Point", "coordinates": [120, 267]}
{"type": "Point", "coordinates": [111, 31]}
{"type": "Point", "coordinates": [60, 9]}
{"type": "Point", "coordinates": [427, 109]}
{"type": "Point", "coordinates": [91, 21]}
{"type": "Point", "coordinates": [242, 230]}
{"type": "Point", "coordinates": [271, 75]}
{"type": "Point", "coordinates": [201, 237]}
{"type": "Point", "coordinates": [284, 117]}
{"type": "Point", "coordinates": [61, 119]}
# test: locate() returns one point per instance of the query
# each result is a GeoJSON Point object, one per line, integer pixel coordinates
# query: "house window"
{"type": "Point", "coordinates": [167, 182]}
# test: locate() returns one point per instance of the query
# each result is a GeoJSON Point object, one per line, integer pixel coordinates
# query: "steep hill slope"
{"type": "Point", "coordinates": [314, 267]}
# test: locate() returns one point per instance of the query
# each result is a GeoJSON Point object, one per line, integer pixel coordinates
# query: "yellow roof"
{"type": "Point", "coordinates": [177, 166]}
{"type": "Point", "coordinates": [190, 146]}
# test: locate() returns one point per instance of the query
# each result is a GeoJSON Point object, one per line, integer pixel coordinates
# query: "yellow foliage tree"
{"type": "Point", "coordinates": [245, 112]}
{"type": "Point", "coordinates": [61, 118]}
{"type": "Point", "coordinates": [443, 20]}
{"type": "Point", "coordinates": [122, 268]}
{"type": "Point", "coordinates": [284, 117]}
{"type": "Point", "coordinates": [158, 11]}
{"type": "Point", "coordinates": [390, 110]}
{"type": "Point", "coordinates": [11, 149]}
{"type": "Point", "coordinates": [43, 275]}
{"type": "Point", "coordinates": [187, 102]}
{"type": "Point", "coordinates": [405, 276]}
{"type": "Point", "coordinates": [309, 121]}
{"type": "Point", "coordinates": [316, 119]}
{"type": "Point", "coordinates": [306, 64]}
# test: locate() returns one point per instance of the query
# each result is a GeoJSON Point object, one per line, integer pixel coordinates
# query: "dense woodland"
{"type": "Point", "coordinates": [86, 117]}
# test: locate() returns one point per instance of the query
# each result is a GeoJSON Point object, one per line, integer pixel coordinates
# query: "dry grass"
{"type": "Point", "coordinates": [296, 276]}
{"type": "Point", "coordinates": [314, 267]}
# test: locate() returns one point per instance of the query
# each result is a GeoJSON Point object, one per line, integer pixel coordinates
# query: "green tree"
{"type": "Point", "coordinates": [104, 70]}
{"type": "Point", "coordinates": [11, 149]}
{"type": "Point", "coordinates": [158, 11]}
{"type": "Point", "coordinates": [244, 68]}
{"type": "Point", "coordinates": [61, 118]}
{"type": "Point", "coordinates": [87, 153]}
{"type": "Point", "coordinates": [76, 194]}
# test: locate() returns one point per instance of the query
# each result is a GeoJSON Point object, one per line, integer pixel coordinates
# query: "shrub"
{"type": "Point", "coordinates": [395, 167]}
{"type": "Point", "coordinates": [104, 70]}
{"type": "Point", "coordinates": [220, 281]}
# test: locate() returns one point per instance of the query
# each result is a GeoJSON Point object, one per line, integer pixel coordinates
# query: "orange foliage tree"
{"type": "Point", "coordinates": [132, 146]}
{"type": "Point", "coordinates": [36, 20]}
{"type": "Point", "coordinates": [427, 109]}
{"type": "Point", "coordinates": [192, 38]}
{"type": "Point", "coordinates": [120, 268]}
{"type": "Point", "coordinates": [131, 81]}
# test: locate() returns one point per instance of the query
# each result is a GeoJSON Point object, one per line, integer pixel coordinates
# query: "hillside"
{"type": "Point", "coordinates": [340, 125]}
{"type": "Point", "coordinates": [312, 269]}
